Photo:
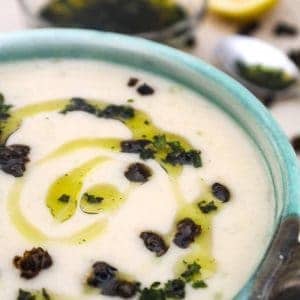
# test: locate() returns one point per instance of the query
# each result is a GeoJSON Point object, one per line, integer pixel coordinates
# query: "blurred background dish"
{"type": "Point", "coordinates": [168, 21]}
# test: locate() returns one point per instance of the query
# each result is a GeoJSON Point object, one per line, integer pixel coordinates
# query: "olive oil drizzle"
{"type": "Point", "coordinates": [69, 184]}
{"type": "Point", "coordinates": [141, 127]}
{"type": "Point", "coordinates": [109, 199]}
{"type": "Point", "coordinates": [35, 235]}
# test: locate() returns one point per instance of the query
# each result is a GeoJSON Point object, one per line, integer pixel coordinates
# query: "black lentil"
{"type": "Point", "coordinates": [134, 146]}
{"type": "Point", "coordinates": [126, 289]}
{"type": "Point", "coordinates": [138, 172]}
{"type": "Point", "coordinates": [101, 274]}
{"type": "Point", "coordinates": [285, 29]}
{"type": "Point", "coordinates": [132, 82]}
{"type": "Point", "coordinates": [104, 277]}
{"type": "Point", "coordinates": [154, 243]}
{"type": "Point", "coordinates": [221, 192]}
{"type": "Point", "coordinates": [269, 100]}
{"type": "Point", "coordinates": [13, 159]}
{"type": "Point", "coordinates": [249, 28]}
{"type": "Point", "coordinates": [190, 41]}
{"type": "Point", "coordinates": [145, 90]}
{"type": "Point", "coordinates": [175, 289]}
{"type": "Point", "coordinates": [32, 262]}
{"type": "Point", "coordinates": [187, 231]}
{"type": "Point", "coordinates": [296, 143]}
{"type": "Point", "coordinates": [294, 55]}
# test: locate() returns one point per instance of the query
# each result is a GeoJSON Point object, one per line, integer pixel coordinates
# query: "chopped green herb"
{"type": "Point", "coordinates": [4, 108]}
{"type": "Point", "coordinates": [207, 207]}
{"type": "Point", "coordinates": [64, 198]}
{"type": "Point", "coordinates": [191, 271]}
{"type": "Point", "coordinates": [175, 289]}
{"type": "Point", "coordinates": [266, 77]}
{"type": "Point", "coordinates": [199, 284]}
{"type": "Point", "coordinates": [79, 104]}
{"type": "Point", "coordinates": [92, 199]}
{"type": "Point", "coordinates": [152, 294]}
{"type": "Point", "coordinates": [160, 142]}
{"type": "Point", "coordinates": [117, 112]}
{"type": "Point", "coordinates": [24, 295]}
{"type": "Point", "coordinates": [130, 100]}
{"type": "Point", "coordinates": [147, 153]}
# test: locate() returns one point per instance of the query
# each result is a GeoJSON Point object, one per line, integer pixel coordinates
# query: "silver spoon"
{"type": "Point", "coordinates": [264, 69]}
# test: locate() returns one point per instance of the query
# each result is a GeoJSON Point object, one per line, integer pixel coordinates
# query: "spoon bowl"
{"type": "Point", "coordinates": [263, 68]}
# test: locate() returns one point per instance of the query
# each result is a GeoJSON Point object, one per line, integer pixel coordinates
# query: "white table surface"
{"type": "Point", "coordinates": [210, 31]}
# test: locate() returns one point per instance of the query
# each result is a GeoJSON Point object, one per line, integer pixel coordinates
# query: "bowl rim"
{"type": "Point", "coordinates": [152, 50]}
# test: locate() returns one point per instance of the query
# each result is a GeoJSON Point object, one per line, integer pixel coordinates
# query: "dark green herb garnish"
{"type": "Point", "coordinates": [207, 207]}
{"type": "Point", "coordinates": [160, 142]}
{"type": "Point", "coordinates": [24, 295]}
{"type": "Point", "coordinates": [199, 284]}
{"type": "Point", "coordinates": [154, 243]}
{"type": "Point", "coordinates": [124, 16]}
{"type": "Point", "coordinates": [32, 262]}
{"type": "Point", "coordinates": [266, 77]}
{"type": "Point", "coordinates": [79, 104]}
{"type": "Point", "coordinates": [130, 100]}
{"type": "Point", "coordinates": [118, 112]}
{"type": "Point", "coordinates": [152, 294]}
{"type": "Point", "coordinates": [4, 108]}
{"type": "Point", "coordinates": [105, 277]}
{"type": "Point", "coordinates": [155, 284]}
{"type": "Point", "coordinates": [145, 90]}
{"type": "Point", "coordinates": [191, 271]}
{"type": "Point", "coordinates": [178, 156]}
{"type": "Point", "coordinates": [92, 199]}
{"type": "Point", "coordinates": [187, 231]}
{"type": "Point", "coordinates": [64, 198]}
{"type": "Point", "coordinates": [138, 172]}
{"type": "Point", "coordinates": [13, 159]}
{"type": "Point", "coordinates": [221, 192]}
{"type": "Point", "coordinates": [45, 294]}
{"type": "Point", "coordinates": [175, 289]}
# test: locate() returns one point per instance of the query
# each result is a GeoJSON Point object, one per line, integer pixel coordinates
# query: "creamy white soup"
{"type": "Point", "coordinates": [116, 183]}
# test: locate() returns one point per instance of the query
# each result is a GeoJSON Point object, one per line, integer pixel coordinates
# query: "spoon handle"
{"type": "Point", "coordinates": [279, 275]}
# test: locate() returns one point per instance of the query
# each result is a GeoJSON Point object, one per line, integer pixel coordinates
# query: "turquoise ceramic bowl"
{"type": "Point", "coordinates": [193, 73]}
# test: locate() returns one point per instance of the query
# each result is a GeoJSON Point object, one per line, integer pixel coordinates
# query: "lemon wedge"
{"type": "Point", "coordinates": [241, 10]}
